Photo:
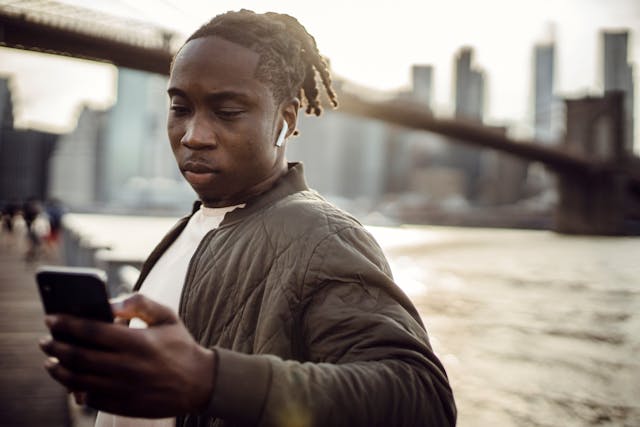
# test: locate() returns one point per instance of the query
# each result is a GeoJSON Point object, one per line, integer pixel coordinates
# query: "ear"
{"type": "Point", "coordinates": [290, 113]}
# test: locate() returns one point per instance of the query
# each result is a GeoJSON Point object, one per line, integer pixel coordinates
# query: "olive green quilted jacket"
{"type": "Point", "coordinates": [309, 329]}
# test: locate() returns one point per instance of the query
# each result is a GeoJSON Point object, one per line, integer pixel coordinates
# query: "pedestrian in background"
{"type": "Point", "coordinates": [37, 225]}
{"type": "Point", "coordinates": [55, 211]}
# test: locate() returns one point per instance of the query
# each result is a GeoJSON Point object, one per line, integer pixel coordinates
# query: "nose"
{"type": "Point", "coordinates": [199, 134]}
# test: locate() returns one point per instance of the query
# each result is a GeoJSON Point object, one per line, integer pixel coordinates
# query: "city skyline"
{"type": "Point", "coordinates": [509, 91]}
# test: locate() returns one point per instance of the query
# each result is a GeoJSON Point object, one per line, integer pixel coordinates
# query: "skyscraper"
{"type": "Point", "coordinates": [422, 76]}
{"type": "Point", "coordinates": [24, 154]}
{"type": "Point", "coordinates": [543, 92]}
{"type": "Point", "coordinates": [121, 158]}
{"type": "Point", "coordinates": [77, 164]}
{"type": "Point", "coordinates": [6, 105]}
{"type": "Point", "coordinates": [469, 88]}
{"type": "Point", "coordinates": [469, 105]}
{"type": "Point", "coordinates": [618, 75]}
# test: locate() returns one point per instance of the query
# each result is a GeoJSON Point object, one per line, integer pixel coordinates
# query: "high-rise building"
{"type": "Point", "coordinates": [618, 75]}
{"type": "Point", "coordinates": [548, 114]}
{"type": "Point", "coordinates": [544, 102]}
{"type": "Point", "coordinates": [136, 148]}
{"type": "Point", "coordinates": [24, 155]}
{"type": "Point", "coordinates": [469, 87]}
{"type": "Point", "coordinates": [121, 158]}
{"type": "Point", "coordinates": [344, 156]}
{"type": "Point", "coordinates": [400, 160]}
{"type": "Point", "coordinates": [422, 79]}
{"type": "Point", "coordinates": [77, 165]}
{"type": "Point", "coordinates": [6, 105]}
{"type": "Point", "coordinates": [469, 105]}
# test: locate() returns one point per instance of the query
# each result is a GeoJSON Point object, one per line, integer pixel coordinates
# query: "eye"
{"type": "Point", "coordinates": [179, 110]}
{"type": "Point", "coordinates": [229, 113]}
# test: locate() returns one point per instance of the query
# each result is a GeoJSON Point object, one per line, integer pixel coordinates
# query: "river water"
{"type": "Point", "coordinates": [534, 328]}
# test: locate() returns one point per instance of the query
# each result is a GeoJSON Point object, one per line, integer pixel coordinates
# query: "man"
{"type": "Point", "coordinates": [287, 312]}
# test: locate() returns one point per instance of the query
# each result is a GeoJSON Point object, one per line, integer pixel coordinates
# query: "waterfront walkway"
{"type": "Point", "coordinates": [28, 396]}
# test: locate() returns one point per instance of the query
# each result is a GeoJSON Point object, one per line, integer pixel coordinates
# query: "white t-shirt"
{"type": "Point", "coordinates": [164, 285]}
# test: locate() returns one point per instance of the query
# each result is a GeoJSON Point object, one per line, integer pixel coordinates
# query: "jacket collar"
{"type": "Point", "coordinates": [291, 182]}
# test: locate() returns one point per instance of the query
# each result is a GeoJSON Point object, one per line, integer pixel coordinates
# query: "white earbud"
{"type": "Point", "coordinates": [283, 133]}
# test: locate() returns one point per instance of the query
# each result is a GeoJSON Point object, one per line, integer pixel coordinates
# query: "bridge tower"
{"type": "Point", "coordinates": [593, 202]}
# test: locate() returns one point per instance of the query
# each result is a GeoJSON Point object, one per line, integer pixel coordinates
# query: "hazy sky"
{"type": "Point", "coordinates": [372, 43]}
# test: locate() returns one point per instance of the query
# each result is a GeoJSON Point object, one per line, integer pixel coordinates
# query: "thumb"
{"type": "Point", "coordinates": [151, 312]}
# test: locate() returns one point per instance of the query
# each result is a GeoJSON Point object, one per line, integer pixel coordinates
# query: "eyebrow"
{"type": "Point", "coordinates": [214, 96]}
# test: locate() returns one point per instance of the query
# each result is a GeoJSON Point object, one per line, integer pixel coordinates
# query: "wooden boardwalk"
{"type": "Point", "coordinates": [28, 396]}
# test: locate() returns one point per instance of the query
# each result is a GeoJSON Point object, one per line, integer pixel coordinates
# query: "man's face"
{"type": "Point", "coordinates": [223, 123]}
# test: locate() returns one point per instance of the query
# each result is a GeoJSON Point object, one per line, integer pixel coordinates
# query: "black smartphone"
{"type": "Point", "coordinates": [77, 291]}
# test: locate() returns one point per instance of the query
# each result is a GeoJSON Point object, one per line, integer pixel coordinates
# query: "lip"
{"type": "Point", "coordinates": [197, 167]}
{"type": "Point", "coordinates": [198, 174]}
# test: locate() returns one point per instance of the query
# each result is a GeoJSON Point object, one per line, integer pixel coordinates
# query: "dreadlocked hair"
{"type": "Point", "coordinates": [289, 57]}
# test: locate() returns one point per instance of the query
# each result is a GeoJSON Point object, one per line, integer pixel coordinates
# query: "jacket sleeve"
{"type": "Point", "coordinates": [369, 358]}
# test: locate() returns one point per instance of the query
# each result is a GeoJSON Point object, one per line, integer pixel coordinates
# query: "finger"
{"type": "Point", "coordinates": [86, 360]}
{"type": "Point", "coordinates": [91, 333]}
{"type": "Point", "coordinates": [75, 381]}
{"type": "Point", "coordinates": [44, 341]}
{"type": "Point", "coordinates": [151, 312]}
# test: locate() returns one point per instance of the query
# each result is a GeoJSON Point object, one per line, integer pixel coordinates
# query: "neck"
{"type": "Point", "coordinates": [257, 189]}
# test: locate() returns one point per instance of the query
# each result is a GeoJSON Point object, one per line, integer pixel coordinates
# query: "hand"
{"type": "Point", "coordinates": [153, 373]}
